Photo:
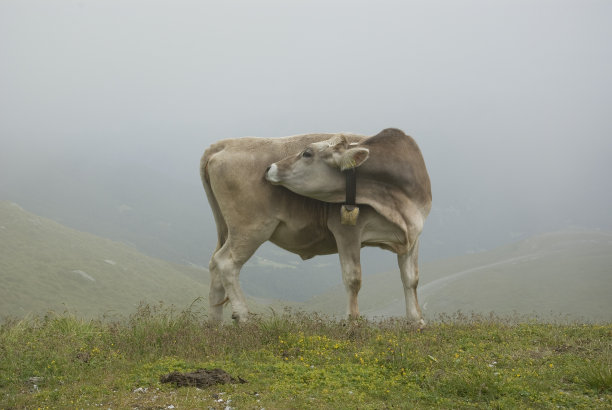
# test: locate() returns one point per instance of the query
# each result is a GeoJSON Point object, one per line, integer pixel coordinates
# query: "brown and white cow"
{"type": "Point", "coordinates": [290, 191]}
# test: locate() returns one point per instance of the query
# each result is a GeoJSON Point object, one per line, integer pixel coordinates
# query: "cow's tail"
{"type": "Point", "coordinates": [212, 200]}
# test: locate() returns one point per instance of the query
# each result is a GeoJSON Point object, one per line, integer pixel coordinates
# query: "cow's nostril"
{"type": "Point", "coordinates": [267, 169]}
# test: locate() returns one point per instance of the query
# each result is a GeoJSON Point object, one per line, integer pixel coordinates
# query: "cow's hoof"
{"type": "Point", "coordinates": [215, 316]}
{"type": "Point", "coordinates": [238, 318]}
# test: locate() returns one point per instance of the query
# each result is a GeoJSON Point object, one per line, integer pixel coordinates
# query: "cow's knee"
{"type": "Point", "coordinates": [411, 282]}
{"type": "Point", "coordinates": [352, 278]}
{"type": "Point", "coordinates": [353, 284]}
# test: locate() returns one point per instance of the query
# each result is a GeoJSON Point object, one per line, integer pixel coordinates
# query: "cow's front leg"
{"type": "Point", "coordinates": [349, 248]}
{"type": "Point", "coordinates": [409, 270]}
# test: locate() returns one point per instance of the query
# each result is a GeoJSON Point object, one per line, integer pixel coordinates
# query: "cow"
{"type": "Point", "coordinates": [291, 191]}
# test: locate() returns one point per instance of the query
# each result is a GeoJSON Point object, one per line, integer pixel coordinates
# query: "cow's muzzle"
{"type": "Point", "coordinates": [272, 174]}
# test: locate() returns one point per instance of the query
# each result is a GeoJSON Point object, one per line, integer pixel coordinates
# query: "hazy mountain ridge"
{"type": "Point", "coordinates": [561, 273]}
{"type": "Point", "coordinates": [47, 266]}
{"type": "Point", "coordinates": [158, 206]}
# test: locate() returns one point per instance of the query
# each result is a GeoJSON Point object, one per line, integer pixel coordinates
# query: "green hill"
{"type": "Point", "coordinates": [558, 274]}
{"type": "Point", "coordinates": [47, 266]}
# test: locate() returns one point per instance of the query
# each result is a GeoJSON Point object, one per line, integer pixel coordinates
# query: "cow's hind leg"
{"type": "Point", "coordinates": [409, 270]}
{"type": "Point", "coordinates": [216, 294]}
{"type": "Point", "coordinates": [225, 268]}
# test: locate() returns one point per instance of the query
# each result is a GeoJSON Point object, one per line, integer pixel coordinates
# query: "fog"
{"type": "Point", "coordinates": [107, 106]}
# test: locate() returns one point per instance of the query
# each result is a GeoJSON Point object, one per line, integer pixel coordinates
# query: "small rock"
{"type": "Point", "coordinates": [35, 381]}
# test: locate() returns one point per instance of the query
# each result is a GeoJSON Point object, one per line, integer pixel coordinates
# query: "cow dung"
{"type": "Point", "coordinates": [200, 378]}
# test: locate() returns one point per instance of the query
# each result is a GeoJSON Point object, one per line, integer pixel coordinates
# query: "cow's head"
{"type": "Point", "coordinates": [315, 171]}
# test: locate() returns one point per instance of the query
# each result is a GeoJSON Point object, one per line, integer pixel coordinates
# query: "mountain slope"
{"type": "Point", "coordinates": [562, 273]}
{"type": "Point", "coordinates": [46, 266]}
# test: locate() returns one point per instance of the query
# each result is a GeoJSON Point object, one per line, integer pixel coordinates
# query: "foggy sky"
{"type": "Point", "coordinates": [510, 101]}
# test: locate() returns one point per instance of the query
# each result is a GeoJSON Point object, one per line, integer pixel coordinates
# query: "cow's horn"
{"type": "Point", "coordinates": [337, 139]}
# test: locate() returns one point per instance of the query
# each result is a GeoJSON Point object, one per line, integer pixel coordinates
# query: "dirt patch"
{"type": "Point", "coordinates": [83, 357]}
{"type": "Point", "coordinates": [200, 378]}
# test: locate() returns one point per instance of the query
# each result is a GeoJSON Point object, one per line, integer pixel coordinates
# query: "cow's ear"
{"type": "Point", "coordinates": [353, 157]}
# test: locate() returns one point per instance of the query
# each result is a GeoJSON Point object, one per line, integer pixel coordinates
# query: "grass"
{"type": "Point", "coordinates": [298, 360]}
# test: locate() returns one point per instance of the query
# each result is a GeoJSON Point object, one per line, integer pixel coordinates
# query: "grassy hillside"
{"type": "Point", "coordinates": [46, 266]}
{"type": "Point", "coordinates": [295, 361]}
{"type": "Point", "coordinates": [565, 273]}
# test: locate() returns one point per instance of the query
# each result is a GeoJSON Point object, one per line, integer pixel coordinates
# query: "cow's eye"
{"type": "Point", "coordinates": [307, 154]}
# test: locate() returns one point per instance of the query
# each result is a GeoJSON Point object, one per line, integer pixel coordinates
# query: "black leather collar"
{"type": "Point", "coordinates": [351, 186]}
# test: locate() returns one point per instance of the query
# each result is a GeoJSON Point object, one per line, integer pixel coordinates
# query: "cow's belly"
{"type": "Point", "coordinates": [306, 241]}
{"type": "Point", "coordinates": [378, 231]}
